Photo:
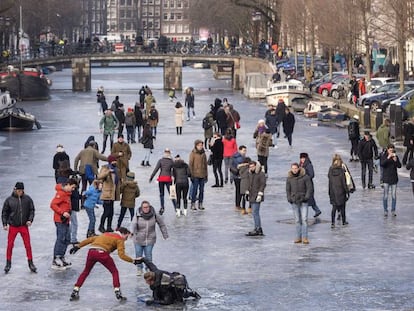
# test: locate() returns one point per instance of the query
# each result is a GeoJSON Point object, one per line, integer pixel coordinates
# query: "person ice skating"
{"type": "Point", "coordinates": [288, 125]}
{"type": "Point", "coordinates": [61, 206]}
{"type": "Point", "coordinates": [199, 173]}
{"type": "Point", "coordinates": [217, 150]}
{"type": "Point", "coordinates": [92, 195]}
{"type": "Point", "coordinates": [167, 288]}
{"type": "Point", "coordinates": [148, 141]}
{"type": "Point", "coordinates": [143, 229]}
{"type": "Point", "coordinates": [129, 192]}
{"type": "Point", "coordinates": [179, 118]}
{"type": "Point", "coordinates": [17, 216]}
{"type": "Point", "coordinates": [181, 173]}
{"type": "Point", "coordinates": [255, 194]}
{"type": "Point", "coordinates": [171, 94]}
{"type": "Point", "coordinates": [367, 150]}
{"type": "Point", "coordinates": [107, 125]}
{"type": "Point", "coordinates": [58, 159]}
{"type": "Point", "coordinates": [122, 152]}
{"type": "Point", "coordinates": [305, 162]}
{"type": "Point", "coordinates": [165, 166]}
{"type": "Point", "coordinates": [189, 102]}
{"type": "Point", "coordinates": [299, 190]}
{"type": "Point", "coordinates": [100, 249]}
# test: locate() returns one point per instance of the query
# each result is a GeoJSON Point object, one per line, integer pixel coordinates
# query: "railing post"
{"type": "Point", "coordinates": [379, 118]}
{"type": "Point", "coordinates": [367, 117]}
{"type": "Point", "coordinates": [398, 121]}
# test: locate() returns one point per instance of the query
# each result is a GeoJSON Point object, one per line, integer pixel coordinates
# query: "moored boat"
{"type": "Point", "coordinates": [286, 91]}
{"type": "Point", "coordinates": [331, 115]}
{"type": "Point", "coordinates": [311, 111]}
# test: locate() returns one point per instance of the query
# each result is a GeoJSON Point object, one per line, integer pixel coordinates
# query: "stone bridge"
{"type": "Point", "coordinates": [81, 66]}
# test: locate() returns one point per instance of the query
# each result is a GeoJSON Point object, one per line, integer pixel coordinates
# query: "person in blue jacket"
{"type": "Point", "coordinates": [92, 198]}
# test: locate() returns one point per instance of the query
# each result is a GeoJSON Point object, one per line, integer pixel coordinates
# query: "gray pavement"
{"type": "Point", "coordinates": [364, 266]}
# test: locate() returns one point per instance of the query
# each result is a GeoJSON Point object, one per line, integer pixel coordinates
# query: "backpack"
{"type": "Point", "coordinates": [174, 279]}
{"type": "Point", "coordinates": [206, 123]}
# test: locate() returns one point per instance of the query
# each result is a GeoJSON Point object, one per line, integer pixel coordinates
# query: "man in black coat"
{"type": "Point", "coordinates": [17, 216]}
{"type": "Point", "coordinates": [367, 149]}
{"type": "Point", "coordinates": [390, 163]}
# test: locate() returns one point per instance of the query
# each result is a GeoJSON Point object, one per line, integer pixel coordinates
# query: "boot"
{"type": "Point", "coordinates": [255, 232]}
{"type": "Point", "coordinates": [200, 206]}
{"type": "Point", "coordinates": [101, 229]}
{"type": "Point", "coordinates": [143, 163]}
{"type": "Point", "coordinates": [260, 231]}
{"type": "Point", "coordinates": [177, 212]}
{"type": "Point", "coordinates": [75, 294]}
{"type": "Point", "coordinates": [243, 211]}
{"type": "Point", "coordinates": [185, 208]}
{"type": "Point", "coordinates": [7, 267]}
{"type": "Point", "coordinates": [32, 267]}
{"type": "Point", "coordinates": [90, 233]}
{"type": "Point", "coordinates": [147, 163]}
{"type": "Point", "coordinates": [193, 206]}
{"type": "Point", "coordinates": [161, 211]}
{"type": "Point", "coordinates": [249, 211]}
{"type": "Point", "coordinates": [118, 294]}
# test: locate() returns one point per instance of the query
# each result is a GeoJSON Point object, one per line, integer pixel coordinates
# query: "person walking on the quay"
{"type": "Point", "coordinates": [367, 150]}
{"type": "Point", "coordinates": [255, 195]}
{"type": "Point", "coordinates": [61, 206]}
{"type": "Point", "coordinates": [165, 166]}
{"type": "Point", "coordinates": [139, 120]}
{"type": "Point", "coordinates": [299, 190]}
{"type": "Point", "coordinates": [110, 192]}
{"type": "Point", "coordinates": [237, 159]}
{"type": "Point", "coordinates": [181, 173]}
{"type": "Point", "coordinates": [129, 192]}
{"type": "Point", "coordinates": [58, 159]}
{"type": "Point", "coordinates": [229, 149]}
{"type": "Point", "coordinates": [288, 125]}
{"type": "Point", "coordinates": [179, 118]}
{"type": "Point", "coordinates": [100, 249]}
{"type": "Point", "coordinates": [144, 233]}
{"type": "Point", "coordinates": [354, 137]}
{"type": "Point", "coordinates": [390, 163]}
{"type": "Point", "coordinates": [306, 163]}
{"type": "Point", "coordinates": [338, 190]}
{"type": "Point", "coordinates": [217, 150]}
{"type": "Point", "coordinates": [148, 141]}
{"type": "Point", "coordinates": [92, 198]}
{"type": "Point", "coordinates": [383, 136]}
{"type": "Point", "coordinates": [107, 125]}
{"type": "Point", "coordinates": [130, 124]}
{"type": "Point", "coordinates": [122, 152]}
{"type": "Point", "coordinates": [199, 173]}
{"type": "Point", "coordinates": [189, 102]}
{"type": "Point", "coordinates": [410, 166]}
{"type": "Point", "coordinates": [17, 216]}
{"type": "Point", "coordinates": [408, 141]}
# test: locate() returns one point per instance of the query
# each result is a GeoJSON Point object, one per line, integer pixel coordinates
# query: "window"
{"type": "Point", "coordinates": [172, 16]}
{"type": "Point", "coordinates": [157, 24]}
{"type": "Point", "coordinates": [172, 4]}
{"type": "Point", "coordinates": [151, 12]}
{"type": "Point", "coordinates": [179, 4]}
{"type": "Point", "coordinates": [157, 2]}
{"type": "Point", "coordinates": [122, 2]}
{"type": "Point", "coordinates": [157, 34]}
{"type": "Point", "coordinates": [165, 28]}
{"type": "Point", "coordinates": [179, 28]}
{"type": "Point", "coordinates": [122, 13]}
{"type": "Point", "coordinates": [129, 2]}
{"type": "Point", "coordinates": [186, 28]}
{"type": "Point", "coordinates": [185, 4]}
{"type": "Point", "coordinates": [157, 12]}
{"type": "Point", "coordinates": [172, 28]}
{"type": "Point", "coordinates": [165, 16]}
{"type": "Point", "coordinates": [166, 4]}
{"type": "Point", "coordinates": [179, 16]}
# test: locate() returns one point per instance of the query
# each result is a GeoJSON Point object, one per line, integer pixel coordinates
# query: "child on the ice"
{"type": "Point", "coordinates": [92, 195]}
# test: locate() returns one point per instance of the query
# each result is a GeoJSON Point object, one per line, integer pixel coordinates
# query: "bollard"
{"type": "Point", "coordinates": [367, 117]}
{"type": "Point", "coordinates": [398, 121]}
{"type": "Point", "coordinates": [378, 119]}
{"type": "Point", "coordinates": [392, 112]}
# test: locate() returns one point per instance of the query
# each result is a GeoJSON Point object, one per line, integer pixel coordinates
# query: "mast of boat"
{"type": "Point", "coordinates": [20, 38]}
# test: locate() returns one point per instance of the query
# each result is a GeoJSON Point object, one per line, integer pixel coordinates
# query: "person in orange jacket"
{"type": "Point", "coordinates": [61, 207]}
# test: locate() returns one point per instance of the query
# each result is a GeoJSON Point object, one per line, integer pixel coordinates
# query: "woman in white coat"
{"type": "Point", "coordinates": [179, 118]}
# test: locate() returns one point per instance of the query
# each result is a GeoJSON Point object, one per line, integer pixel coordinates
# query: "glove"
{"type": "Point", "coordinates": [74, 249]}
{"type": "Point", "coordinates": [259, 197]}
{"type": "Point", "coordinates": [246, 195]}
{"type": "Point", "coordinates": [137, 261]}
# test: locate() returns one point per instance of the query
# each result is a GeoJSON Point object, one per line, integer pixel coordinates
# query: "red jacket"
{"type": "Point", "coordinates": [230, 147]}
{"type": "Point", "coordinates": [60, 204]}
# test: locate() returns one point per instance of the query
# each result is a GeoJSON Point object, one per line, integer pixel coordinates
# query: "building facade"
{"type": "Point", "coordinates": [175, 20]}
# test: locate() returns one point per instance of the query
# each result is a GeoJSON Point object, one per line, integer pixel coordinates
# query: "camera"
{"type": "Point", "coordinates": [63, 218]}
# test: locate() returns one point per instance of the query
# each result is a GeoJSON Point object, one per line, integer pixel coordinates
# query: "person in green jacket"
{"type": "Point", "coordinates": [108, 124]}
{"type": "Point", "coordinates": [383, 137]}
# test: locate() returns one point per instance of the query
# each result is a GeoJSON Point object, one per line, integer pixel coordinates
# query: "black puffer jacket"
{"type": "Point", "coordinates": [17, 210]}
{"type": "Point", "coordinates": [181, 172]}
{"type": "Point", "coordinates": [367, 149]}
{"type": "Point", "coordinates": [338, 190]}
{"type": "Point", "coordinates": [217, 149]}
{"type": "Point", "coordinates": [299, 187]}
{"type": "Point", "coordinates": [390, 174]}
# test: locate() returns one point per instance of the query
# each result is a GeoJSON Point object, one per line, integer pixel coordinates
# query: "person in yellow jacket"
{"type": "Point", "coordinates": [100, 249]}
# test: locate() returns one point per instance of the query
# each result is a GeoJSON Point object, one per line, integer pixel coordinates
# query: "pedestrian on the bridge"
{"type": "Point", "coordinates": [390, 164]}
{"type": "Point", "coordinates": [189, 102]}
{"type": "Point", "coordinates": [367, 150]}
{"type": "Point", "coordinates": [338, 189]}
{"type": "Point", "coordinates": [354, 137]}
{"type": "Point", "coordinates": [17, 216]}
{"type": "Point", "coordinates": [108, 125]}
{"type": "Point", "coordinates": [299, 190]}
{"type": "Point", "coordinates": [255, 195]}
{"type": "Point", "coordinates": [148, 141]}
{"type": "Point", "coordinates": [306, 163]}
{"type": "Point", "coordinates": [179, 118]}
{"type": "Point", "coordinates": [101, 247]}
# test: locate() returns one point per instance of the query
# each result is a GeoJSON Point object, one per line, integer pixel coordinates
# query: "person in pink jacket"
{"type": "Point", "coordinates": [230, 148]}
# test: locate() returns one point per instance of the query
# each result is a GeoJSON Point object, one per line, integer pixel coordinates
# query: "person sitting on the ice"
{"type": "Point", "coordinates": [167, 288]}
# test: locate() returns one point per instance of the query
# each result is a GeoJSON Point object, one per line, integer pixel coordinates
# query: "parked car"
{"type": "Point", "coordinates": [377, 82]}
{"type": "Point", "coordinates": [403, 99]}
{"type": "Point", "coordinates": [316, 83]}
{"type": "Point", "coordinates": [325, 88]}
{"type": "Point", "coordinates": [340, 88]}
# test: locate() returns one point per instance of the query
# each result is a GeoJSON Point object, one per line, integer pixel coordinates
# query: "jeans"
{"type": "Point", "coordinates": [105, 138]}
{"type": "Point", "coordinates": [364, 165]}
{"type": "Point", "coordinates": [62, 239]}
{"type": "Point", "coordinates": [161, 186]}
{"type": "Point", "coordinates": [73, 227]}
{"type": "Point", "coordinates": [130, 134]}
{"type": "Point", "coordinates": [393, 189]}
{"type": "Point", "coordinates": [227, 165]}
{"type": "Point", "coordinates": [154, 131]}
{"type": "Point", "coordinates": [138, 127]}
{"type": "Point", "coordinates": [92, 218]}
{"type": "Point", "coordinates": [147, 154]}
{"type": "Point", "coordinates": [198, 184]}
{"type": "Point", "coordinates": [274, 138]}
{"type": "Point", "coordinates": [300, 212]}
{"type": "Point", "coordinates": [256, 214]}
{"type": "Point", "coordinates": [143, 249]}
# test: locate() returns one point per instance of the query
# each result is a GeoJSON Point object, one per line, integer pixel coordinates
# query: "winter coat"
{"type": "Point", "coordinates": [217, 149]}
{"type": "Point", "coordinates": [179, 116]}
{"type": "Point", "coordinates": [59, 157]}
{"type": "Point", "coordinates": [389, 169]}
{"type": "Point", "coordinates": [288, 123]}
{"type": "Point", "coordinates": [111, 183]}
{"type": "Point", "coordinates": [181, 172]}
{"type": "Point", "coordinates": [271, 120]}
{"type": "Point", "coordinates": [308, 166]}
{"type": "Point", "coordinates": [139, 121]}
{"type": "Point", "coordinates": [229, 146]}
{"type": "Point", "coordinates": [122, 162]}
{"type": "Point", "coordinates": [129, 191]}
{"type": "Point", "coordinates": [92, 195]}
{"type": "Point", "coordinates": [89, 156]}
{"type": "Point", "coordinates": [17, 211]}
{"type": "Point", "coordinates": [198, 163]}
{"type": "Point", "coordinates": [383, 136]}
{"type": "Point", "coordinates": [109, 124]}
{"type": "Point", "coordinates": [236, 160]}
{"type": "Point", "coordinates": [257, 183]}
{"type": "Point", "coordinates": [143, 227]}
{"type": "Point", "coordinates": [61, 204]}
{"type": "Point", "coordinates": [120, 115]}
{"type": "Point", "coordinates": [367, 149]}
{"type": "Point", "coordinates": [299, 188]}
{"type": "Point", "coordinates": [153, 117]}
{"type": "Point", "coordinates": [232, 117]}
{"type": "Point", "coordinates": [189, 100]}
{"type": "Point", "coordinates": [149, 99]}
{"type": "Point", "coordinates": [244, 177]}
{"type": "Point", "coordinates": [221, 118]}
{"type": "Point", "coordinates": [130, 119]}
{"type": "Point", "coordinates": [410, 166]}
{"type": "Point", "coordinates": [280, 111]}
{"type": "Point", "coordinates": [263, 142]}
{"type": "Point", "coordinates": [338, 190]}
{"type": "Point", "coordinates": [353, 130]}
{"type": "Point", "coordinates": [208, 133]}
{"type": "Point", "coordinates": [164, 165]}
{"type": "Point", "coordinates": [408, 134]}
{"type": "Point", "coordinates": [147, 139]}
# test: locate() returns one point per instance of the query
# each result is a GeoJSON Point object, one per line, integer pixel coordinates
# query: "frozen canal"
{"type": "Point", "coordinates": [364, 266]}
